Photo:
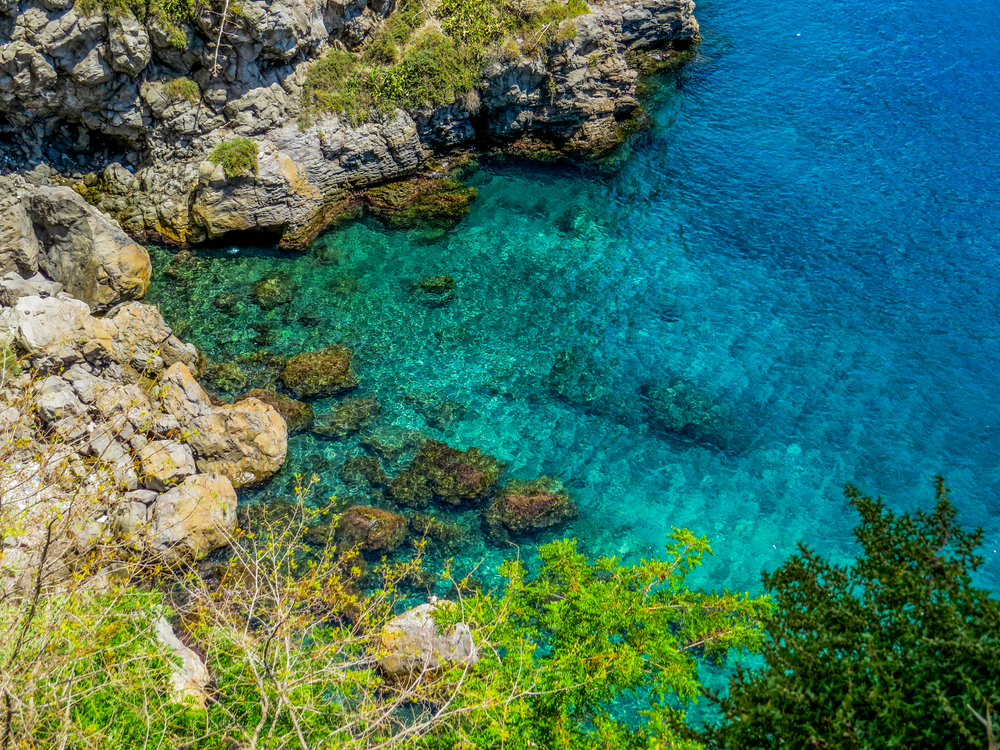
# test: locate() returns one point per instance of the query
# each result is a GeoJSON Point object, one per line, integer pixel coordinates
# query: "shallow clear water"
{"type": "Point", "coordinates": [807, 237]}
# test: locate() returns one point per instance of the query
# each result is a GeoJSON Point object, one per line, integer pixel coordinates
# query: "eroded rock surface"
{"type": "Point", "coordinates": [114, 92]}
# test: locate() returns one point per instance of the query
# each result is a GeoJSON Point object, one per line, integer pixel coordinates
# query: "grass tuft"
{"type": "Point", "coordinates": [182, 88]}
{"type": "Point", "coordinates": [237, 157]}
{"type": "Point", "coordinates": [431, 58]}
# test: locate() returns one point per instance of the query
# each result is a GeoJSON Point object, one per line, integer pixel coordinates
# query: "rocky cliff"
{"type": "Point", "coordinates": [136, 107]}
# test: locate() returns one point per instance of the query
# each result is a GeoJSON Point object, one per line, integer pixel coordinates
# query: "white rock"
{"type": "Point", "coordinates": [415, 645]}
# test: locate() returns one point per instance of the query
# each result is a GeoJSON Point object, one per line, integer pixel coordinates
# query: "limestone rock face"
{"type": "Point", "coordinates": [415, 645]}
{"type": "Point", "coordinates": [143, 340]}
{"type": "Point", "coordinates": [246, 441]}
{"type": "Point", "coordinates": [194, 518]}
{"type": "Point", "coordinates": [18, 245]}
{"type": "Point", "coordinates": [165, 463]}
{"type": "Point", "coordinates": [85, 251]}
{"type": "Point", "coordinates": [64, 71]}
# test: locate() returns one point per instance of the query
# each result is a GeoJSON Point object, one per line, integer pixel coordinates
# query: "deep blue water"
{"type": "Point", "coordinates": [807, 237]}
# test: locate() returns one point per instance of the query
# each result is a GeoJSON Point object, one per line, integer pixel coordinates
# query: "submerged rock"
{"type": "Point", "coordinates": [277, 288]}
{"type": "Point", "coordinates": [228, 376]}
{"type": "Point", "coordinates": [440, 472]}
{"type": "Point", "coordinates": [298, 415]}
{"type": "Point", "coordinates": [343, 285]}
{"type": "Point", "coordinates": [426, 202]}
{"type": "Point", "coordinates": [348, 417]}
{"type": "Point", "coordinates": [683, 408]}
{"type": "Point", "coordinates": [523, 507]}
{"type": "Point", "coordinates": [371, 528]}
{"type": "Point", "coordinates": [359, 471]}
{"type": "Point", "coordinates": [434, 291]}
{"type": "Point", "coordinates": [321, 373]}
{"type": "Point", "coordinates": [393, 443]}
{"type": "Point", "coordinates": [444, 533]}
{"type": "Point", "coordinates": [439, 412]}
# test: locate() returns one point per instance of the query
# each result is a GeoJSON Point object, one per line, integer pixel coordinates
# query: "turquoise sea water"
{"type": "Point", "coordinates": [805, 242]}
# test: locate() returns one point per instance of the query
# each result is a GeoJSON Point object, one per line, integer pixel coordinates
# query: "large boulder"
{"type": "Point", "coordinates": [440, 472]}
{"type": "Point", "coordinates": [321, 373]}
{"type": "Point", "coordinates": [193, 519]}
{"type": "Point", "coordinates": [19, 249]}
{"type": "Point", "coordinates": [165, 463]}
{"type": "Point", "coordinates": [246, 441]}
{"type": "Point", "coordinates": [56, 331]}
{"type": "Point", "coordinates": [414, 645]}
{"type": "Point", "coordinates": [142, 339]}
{"type": "Point", "coordinates": [522, 507]}
{"type": "Point", "coordinates": [86, 251]}
{"type": "Point", "coordinates": [371, 528]}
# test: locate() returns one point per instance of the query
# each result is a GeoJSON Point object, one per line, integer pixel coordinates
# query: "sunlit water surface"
{"type": "Point", "coordinates": [806, 237]}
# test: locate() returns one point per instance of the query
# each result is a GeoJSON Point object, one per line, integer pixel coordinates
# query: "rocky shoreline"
{"type": "Point", "coordinates": [128, 114]}
{"type": "Point", "coordinates": [114, 455]}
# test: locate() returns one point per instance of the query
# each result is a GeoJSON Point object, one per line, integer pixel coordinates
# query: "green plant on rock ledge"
{"type": "Point", "coordinates": [421, 57]}
{"type": "Point", "coordinates": [182, 88]}
{"type": "Point", "coordinates": [171, 15]}
{"type": "Point", "coordinates": [238, 157]}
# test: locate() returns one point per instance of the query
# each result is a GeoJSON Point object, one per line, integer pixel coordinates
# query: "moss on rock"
{"type": "Point", "coordinates": [348, 417]}
{"type": "Point", "coordinates": [326, 372]}
{"type": "Point", "coordinates": [373, 529]}
{"type": "Point", "coordinates": [440, 472]}
{"type": "Point", "coordinates": [524, 507]}
{"type": "Point", "coordinates": [427, 202]}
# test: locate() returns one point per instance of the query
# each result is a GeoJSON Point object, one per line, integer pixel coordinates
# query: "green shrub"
{"type": "Point", "coordinates": [85, 671]}
{"type": "Point", "coordinates": [182, 88]}
{"type": "Point", "coordinates": [9, 363]}
{"type": "Point", "coordinates": [896, 650]}
{"type": "Point", "coordinates": [237, 157]}
{"type": "Point", "coordinates": [172, 15]}
{"type": "Point", "coordinates": [409, 63]}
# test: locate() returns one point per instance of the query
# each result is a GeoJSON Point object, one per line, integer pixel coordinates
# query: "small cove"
{"type": "Point", "coordinates": [806, 238]}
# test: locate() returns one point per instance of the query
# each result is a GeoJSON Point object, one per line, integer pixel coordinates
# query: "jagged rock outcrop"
{"type": "Point", "coordinates": [86, 252]}
{"type": "Point", "coordinates": [246, 441]}
{"type": "Point", "coordinates": [107, 443]}
{"type": "Point", "coordinates": [52, 240]}
{"type": "Point", "coordinates": [79, 89]}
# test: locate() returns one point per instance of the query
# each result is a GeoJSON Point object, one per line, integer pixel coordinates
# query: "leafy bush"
{"type": "Point", "coordinates": [237, 156]}
{"type": "Point", "coordinates": [292, 646]}
{"type": "Point", "coordinates": [410, 63]}
{"type": "Point", "coordinates": [170, 14]}
{"type": "Point", "coordinates": [897, 650]}
{"type": "Point", "coordinates": [182, 88]}
{"type": "Point", "coordinates": [84, 671]}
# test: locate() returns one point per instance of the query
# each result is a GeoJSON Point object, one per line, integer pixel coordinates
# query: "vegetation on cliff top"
{"type": "Point", "coordinates": [419, 57]}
